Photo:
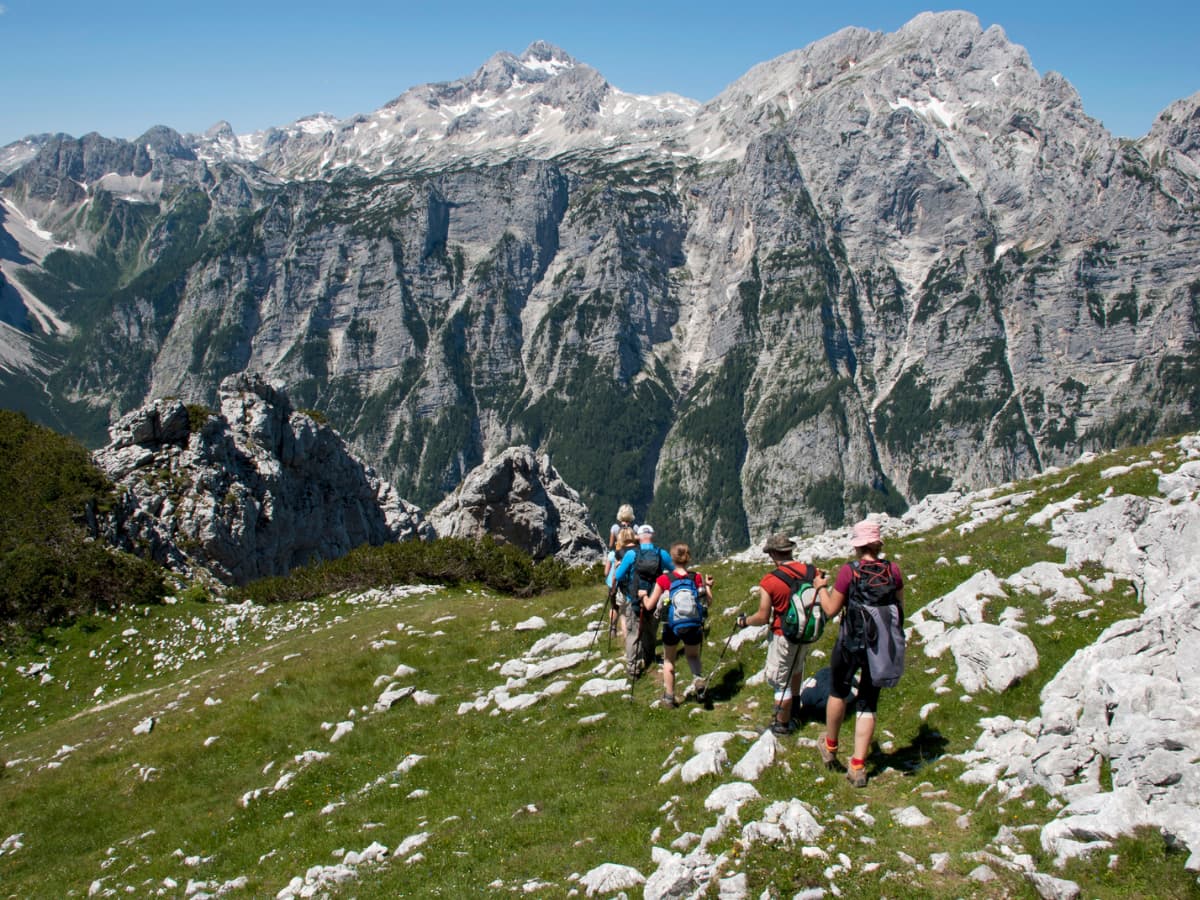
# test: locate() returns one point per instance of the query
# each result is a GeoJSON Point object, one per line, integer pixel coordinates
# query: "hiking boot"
{"type": "Point", "coordinates": [857, 776]}
{"type": "Point", "coordinates": [699, 689]}
{"type": "Point", "coordinates": [667, 701]}
{"type": "Point", "coordinates": [829, 757]}
{"type": "Point", "coordinates": [634, 669]}
{"type": "Point", "coordinates": [782, 728]}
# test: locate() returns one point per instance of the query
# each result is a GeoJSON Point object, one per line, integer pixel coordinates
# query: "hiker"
{"type": "Point", "coordinates": [624, 520]}
{"type": "Point", "coordinates": [635, 575]}
{"type": "Point", "coordinates": [785, 659]}
{"type": "Point", "coordinates": [870, 641]}
{"type": "Point", "coordinates": [626, 541]}
{"type": "Point", "coordinates": [689, 596]}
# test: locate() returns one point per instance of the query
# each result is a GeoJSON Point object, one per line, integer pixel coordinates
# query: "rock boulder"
{"type": "Point", "coordinates": [519, 498]}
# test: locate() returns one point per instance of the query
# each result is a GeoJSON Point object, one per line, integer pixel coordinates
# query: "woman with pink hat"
{"type": "Point", "coordinates": [870, 641]}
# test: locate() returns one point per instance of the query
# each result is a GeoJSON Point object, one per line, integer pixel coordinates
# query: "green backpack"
{"type": "Point", "coordinates": [804, 621]}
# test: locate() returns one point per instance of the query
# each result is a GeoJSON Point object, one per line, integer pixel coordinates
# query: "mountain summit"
{"type": "Point", "coordinates": [879, 267]}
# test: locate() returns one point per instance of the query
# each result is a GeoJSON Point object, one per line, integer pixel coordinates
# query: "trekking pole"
{"type": "Point", "coordinates": [599, 625]}
{"type": "Point", "coordinates": [637, 643]}
{"type": "Point", "coordinates": [787, 686]}
{"type": "Point", "coordinates": [717, 664]}
{"type": "Point", "coordinates": [613, 614]}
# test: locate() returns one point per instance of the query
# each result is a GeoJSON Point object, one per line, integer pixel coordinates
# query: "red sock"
{"type": "Point", "coordinates": [857, 763]}
{"type": "Point", "coordinates": [831, 745]}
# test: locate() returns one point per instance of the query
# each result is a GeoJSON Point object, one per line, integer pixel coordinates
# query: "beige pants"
{"type": "Point", "coordinates": [783, 657]}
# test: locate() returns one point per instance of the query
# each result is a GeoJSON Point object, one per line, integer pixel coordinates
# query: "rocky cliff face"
{"type": "Point", "coordinates": [519, 498]}
{"type": "Point", "coordinates": [255, 490]}
{"type": "Point", "coordinates": [878, 267]}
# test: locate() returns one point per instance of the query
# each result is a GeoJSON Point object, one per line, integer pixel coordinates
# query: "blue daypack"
{"type": "Point", "coordinates": [685, 606]}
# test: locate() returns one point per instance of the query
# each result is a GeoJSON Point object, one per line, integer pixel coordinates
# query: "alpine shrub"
{"type": "Point", "coordinates": [51, 567]}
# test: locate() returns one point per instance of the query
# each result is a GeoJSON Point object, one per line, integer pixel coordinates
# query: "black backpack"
{"type": "Point", "coordinates": [647, 566]}
{"type": "Point", "coordinates": [872, 585]}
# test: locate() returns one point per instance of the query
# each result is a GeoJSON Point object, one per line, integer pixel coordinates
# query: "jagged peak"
{"type": "Point", "coordinates": [952, 21]}
{"type": "Point", "coordinates": [544, 56]}
{"type": "Point", "coordinates": [219, 130]}
{"type": "Point", "coordinates": [1178, 127]}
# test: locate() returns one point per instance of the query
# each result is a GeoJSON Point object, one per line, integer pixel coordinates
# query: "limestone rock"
{"type": "Point", "coordinates": [519, 498]}
{"type": "Point", "coordinates": [991, 657]}
{"type": "Point", "coordinates": [255, 490]}
{"type": "Point", "coordinates": [728, 798]}
{"type": "Point", "coordinates": [758, 757]}
{"type": "Point", "coordinates": [1129, 698]}
{"type": "Point", "coordinates": [610, 878]}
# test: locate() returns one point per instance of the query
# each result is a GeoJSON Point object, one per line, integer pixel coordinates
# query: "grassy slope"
{"type": "Point", "coordinates": [530, 796]}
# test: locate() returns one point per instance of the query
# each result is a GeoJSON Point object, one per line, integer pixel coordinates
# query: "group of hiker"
{"type": "Point", "coordinates": [648, 584]}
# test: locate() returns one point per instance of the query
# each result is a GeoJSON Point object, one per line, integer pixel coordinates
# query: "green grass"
{"type": "Point", "coordinates": [528, 796]}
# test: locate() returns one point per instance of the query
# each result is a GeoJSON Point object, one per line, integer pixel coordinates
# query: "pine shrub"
{"type": "Point", "coordinates": [498, 566]}
{"type": "Point", "coordinates": [52, 568]}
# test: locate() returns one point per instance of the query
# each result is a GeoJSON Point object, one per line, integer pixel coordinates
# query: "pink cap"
{"type": "Point", "coordinates": [865, 533]}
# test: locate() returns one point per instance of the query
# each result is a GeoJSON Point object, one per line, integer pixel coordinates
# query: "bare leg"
{"type": "Point", "coordinates": [693, 659]}
{"type": "Point", "coordinates": [669, 652]}
{"type": "Point", "coordinates": [835, 714]}
{"type": "Point", "coordinates": [864, 730]}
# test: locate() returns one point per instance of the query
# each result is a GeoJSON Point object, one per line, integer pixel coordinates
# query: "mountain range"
{"type": "Point", "coordinates": [879, 267]}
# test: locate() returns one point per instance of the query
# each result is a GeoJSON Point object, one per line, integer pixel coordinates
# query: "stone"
{"type": "Point", "coordinates": [392, 695]}
{"type": "Point", "coordinates": [714, 740]}
{"type": "Point", "coordinates": [728, 798]}
{"type": "Point", "coordinates": [518, 498]}
{"type": "Point", "coordinates": [674, 879]}
{"type": "Point", "coordinates": [703, 764]}
{"type": "Point", "coordinates": [911, 817]}
{"type": "Point", "coordinates": [609, 878]}
{"type": "Point", "coordinates": [733, 887]}
{"type": "Point", "coordinates": [966, 602]}
{"type": "Point", "coordinates": [982, 874]}
{"type": "Point", "coordinates": [756, 760]}
{"type": "Point", "coordinates": [991, 657]}
{"type": "Point", "coordinates": [1048, 578]}
{"type": "Point", "coordinates": [596, 687]}
{"type": "Point", "coordinates": [1051, 888]}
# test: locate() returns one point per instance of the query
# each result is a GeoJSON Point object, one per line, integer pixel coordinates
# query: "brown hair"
{"type": "Point", "coordinates": [681, 555]}
{"type": "Point", "coordinates": [625, 538]}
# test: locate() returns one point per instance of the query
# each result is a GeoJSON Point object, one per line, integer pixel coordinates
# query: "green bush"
{"type": "Point", "coordinates": [198, 414]}
{"type": "Point", "coordinates": [51, 568]}
{"type": "Point", "coordinates": [501, 567]}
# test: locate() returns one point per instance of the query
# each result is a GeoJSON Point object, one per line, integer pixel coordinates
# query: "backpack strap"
{"type": "Point", "coordinates": [790, 577]}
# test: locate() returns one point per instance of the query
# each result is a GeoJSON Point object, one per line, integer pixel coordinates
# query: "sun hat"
{"type": "Point", "coordinates": [779, 543]}
{"type": "Point", "coordinates": [865, 533]}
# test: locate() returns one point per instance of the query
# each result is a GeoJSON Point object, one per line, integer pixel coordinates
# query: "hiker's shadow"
{"type": "Point", "coordinates": [927, 746]}
{"type": "Point", "coordinates": [724, 689]}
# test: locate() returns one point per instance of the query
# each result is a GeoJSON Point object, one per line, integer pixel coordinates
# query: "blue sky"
{"type": "Point", "coordinates": [119, 68]}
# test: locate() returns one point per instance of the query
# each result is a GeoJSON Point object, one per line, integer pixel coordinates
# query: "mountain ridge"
{"type": "Point", "coordinates": [871, 269]}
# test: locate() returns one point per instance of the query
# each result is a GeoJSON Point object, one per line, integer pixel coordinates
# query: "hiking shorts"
{"type": "Point", "coordinates": [841, 674]}
{"type": "Point", "coordinates": [782, 658]}
{"type": "Point", "coordinates": [690, 636]}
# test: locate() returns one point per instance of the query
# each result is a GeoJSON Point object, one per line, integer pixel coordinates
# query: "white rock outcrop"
{"type": "Point", "coordinates": [519, 498]}
{"type": "Point", "coordinates": [1131, 698]}
{"type": "Point", "coordinates": [991, 657]}
{"type": "Point", "coordinates": [254, 490]}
